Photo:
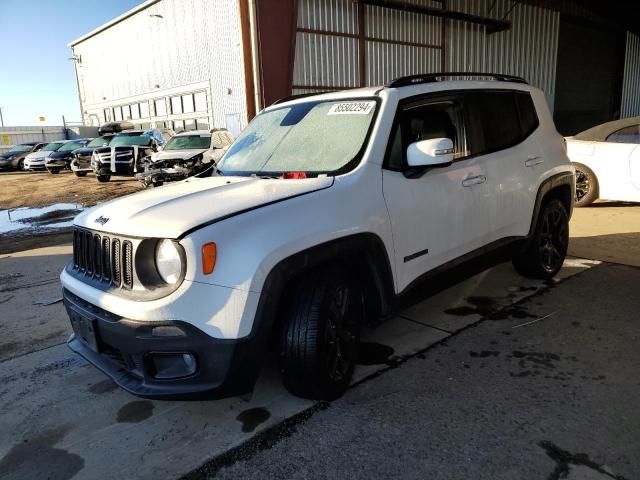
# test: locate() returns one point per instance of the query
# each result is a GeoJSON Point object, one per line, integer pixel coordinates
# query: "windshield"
{"type": "Point", "coordinates": [99, 142]}
{"type": "Point", "coordinates": [311, 137]}
{"type": "Point", "coordinates": [186, 142]}
{"type": "Point", "coordinates": [68, 147]}
{"type": "Point", "coordinates": [52, 147]}
{"type": "Point", "coordinates": [126, 140]}
{"type": "Point", "coordinates": [20, 148]}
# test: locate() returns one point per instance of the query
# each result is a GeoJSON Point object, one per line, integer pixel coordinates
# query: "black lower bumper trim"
{"type": "Point", "coordinates": [123, 348]}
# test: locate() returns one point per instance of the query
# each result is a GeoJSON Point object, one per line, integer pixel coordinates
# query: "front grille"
{"type": "Point", "coordinates": [103, 258]}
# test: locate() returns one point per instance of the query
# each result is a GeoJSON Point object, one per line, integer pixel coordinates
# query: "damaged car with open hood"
{"type": "Point", "coordinates": [323, 213]}
{"type": "Point", "coordinates": [125, 152]}
{"type": "Point", "coordinates": [185, 154]}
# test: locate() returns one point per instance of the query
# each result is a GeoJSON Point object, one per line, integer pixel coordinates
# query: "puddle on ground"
{"type": "Point", "coordinates": [370, 353]}
{"type": "Point", "coordinates": [56, 216]}
{"type": "Point", "coordinates": [253, 417]}
{"type": "Point", "coordinates": [134, 412]}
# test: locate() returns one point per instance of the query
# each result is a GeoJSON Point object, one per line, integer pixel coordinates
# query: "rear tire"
{"type": "Point", "coordinates": [20, 165]}
{"type": "Point", "coordinates": [586, 186]}
{"type": "Point", "coordinates": [546, 250]}
{"type": "Point", "coordinates": [103, 178]}
{"type": "Point", "coordinates": [54, 171]}
{"type": "Point", "coordinates": [320, 338]}
{"type": "Point", "coordinates": [80, 174]}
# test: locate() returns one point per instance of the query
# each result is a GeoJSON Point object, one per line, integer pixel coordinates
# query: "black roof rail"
{"type": "Point", "coordinates": [300, 95]}
{"type": "Point", "coordinates": [433, 77]}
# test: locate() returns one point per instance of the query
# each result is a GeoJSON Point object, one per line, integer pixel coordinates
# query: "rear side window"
{"type": "Point", "coordinates": [500, 120]}
{"type": "Point", "coordinates": [625, 135]}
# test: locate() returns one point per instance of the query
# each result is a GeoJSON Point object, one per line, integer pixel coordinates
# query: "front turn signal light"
{"type": "Point", "coordinates": [209, 254]}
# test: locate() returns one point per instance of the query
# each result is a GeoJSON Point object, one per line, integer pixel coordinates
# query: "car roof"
{"type": "Point", "coordinates": [193, 132]}
{"type": "Point", "coordinates": [406, 90]}
{"type": "Point", "coordinates": [599, 133]}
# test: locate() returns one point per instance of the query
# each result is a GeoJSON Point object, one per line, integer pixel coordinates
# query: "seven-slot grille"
{"type": "Point", "coordinates": [104, 258]}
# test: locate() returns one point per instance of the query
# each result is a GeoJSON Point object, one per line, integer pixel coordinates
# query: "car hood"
{"type": "Point", "coordinates": [172, 210]}
{"type": "Point", "coordinates": [177, 154]}
{"type": "Point", "coordinates": [7, 155]}
{"type": "Point", "coordinates": [66, 154]}
{"type": "Point", "coordinates": [37, 155]}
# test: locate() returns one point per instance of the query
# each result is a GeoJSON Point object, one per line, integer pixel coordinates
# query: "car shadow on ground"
{"type": "Point", "coordinates": [623, 248]}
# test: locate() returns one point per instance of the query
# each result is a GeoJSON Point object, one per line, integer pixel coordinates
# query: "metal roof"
{"type": "Point", "coordinates": [111, 23]}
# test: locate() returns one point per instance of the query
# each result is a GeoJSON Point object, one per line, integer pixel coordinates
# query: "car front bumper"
{"type": "Point", "coordinates": [32, 164]}
{"type": "Point", "coordinates": [81, 165]}
{"type": "Point", "coordinates": [57, 163]}
{"type": "Point", "coordinates": [127, 351]}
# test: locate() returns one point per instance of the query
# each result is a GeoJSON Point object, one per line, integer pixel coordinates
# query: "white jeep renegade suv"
{"type": "Point", "coordinates": [322, 213]}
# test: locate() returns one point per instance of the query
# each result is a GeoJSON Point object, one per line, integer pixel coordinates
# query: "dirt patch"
{"type": "Point", "coordinates": [36, 189]}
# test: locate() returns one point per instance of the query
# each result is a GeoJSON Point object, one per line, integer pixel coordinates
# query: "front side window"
{"type": "Point", "coordinates": [188, 142]}
{"type": "Point", "coordinates": [426, 121]}
{"type": "Point", "coordinates": [52, 147]}
{"type": "Point", "coordinates": [626, 135]}
{"type": "Point", "coordinates": [312, 137]}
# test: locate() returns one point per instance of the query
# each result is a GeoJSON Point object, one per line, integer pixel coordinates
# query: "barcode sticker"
{"type": "Point", "coordinates": [352, 108]}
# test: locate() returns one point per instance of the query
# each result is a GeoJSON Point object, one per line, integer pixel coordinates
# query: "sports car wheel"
{"type": "Point", "coordinates": [586, 186]}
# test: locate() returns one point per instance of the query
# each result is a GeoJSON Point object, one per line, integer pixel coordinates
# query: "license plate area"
{"type": "Point", "coordinates": [84, 328]}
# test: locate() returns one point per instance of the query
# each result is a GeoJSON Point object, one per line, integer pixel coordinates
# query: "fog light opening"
{"type": "Point", "coordinates": [167, 366]}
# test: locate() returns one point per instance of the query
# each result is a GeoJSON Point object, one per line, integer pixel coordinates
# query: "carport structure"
{"type": "Point", "coordinates": [585, 55]}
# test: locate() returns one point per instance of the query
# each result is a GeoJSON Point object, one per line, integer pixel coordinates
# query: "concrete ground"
{"type": "Point", "coordinates": [608, 231]}
{"type": "Point", "coordinates": [490, 376]}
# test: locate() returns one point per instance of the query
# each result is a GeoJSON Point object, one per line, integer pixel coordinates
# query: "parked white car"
{"type": "Point", "coordinates": [607, 161]}
{"type": "Point", "coordinates": [37, 160]}
{"type": "Point", "coordinates": [322, 213]}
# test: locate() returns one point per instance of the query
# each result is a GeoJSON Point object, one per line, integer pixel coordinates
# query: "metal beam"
{"type": "Point", "coordinates": [493, 25]}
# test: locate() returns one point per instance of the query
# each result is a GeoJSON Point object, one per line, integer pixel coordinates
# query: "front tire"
{"type": "Point", "coordinates": [54, 171]}
{"type": "Point", "coordinates": [586, 186]}
{"type": "Point", "coordinates": [80, 174]}
{"type": "Point", "coordinates": [545, 252]}
{"type": "Point", "coordinates": [20, 165]}
{"type": "Point", "coordinates": [320, 338]}
{"type": "Point", "coordinates": [103, 178]}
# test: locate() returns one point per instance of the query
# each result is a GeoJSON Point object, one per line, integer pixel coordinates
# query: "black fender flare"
{"type": "Point", "coordinates": [549, 185]}
{"type": "Point", "coordinates": [364, 251]}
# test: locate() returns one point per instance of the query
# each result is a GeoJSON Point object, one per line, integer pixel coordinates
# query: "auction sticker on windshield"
{"type": "Point", "coordinates": [352, 108]}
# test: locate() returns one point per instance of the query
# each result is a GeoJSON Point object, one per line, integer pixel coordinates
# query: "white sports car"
{"type": "Point", "coordinates": [607, 161]}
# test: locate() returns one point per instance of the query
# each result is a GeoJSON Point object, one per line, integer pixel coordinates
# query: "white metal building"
{"type": "Point", "coordinates": [197, 63]}
{"type": "Point", "coordinates": [169, 63]}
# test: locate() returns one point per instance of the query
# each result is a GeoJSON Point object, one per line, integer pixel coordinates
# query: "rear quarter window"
{"type": "Point", "coordinates": [500, 119]}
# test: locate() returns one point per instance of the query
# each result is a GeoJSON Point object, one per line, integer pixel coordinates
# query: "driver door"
{"type": "Point", "coordinates": [441, 214]}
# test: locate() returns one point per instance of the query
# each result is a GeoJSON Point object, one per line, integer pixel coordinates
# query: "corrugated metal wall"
{"type": "Point", "coordinates": [10, 136]}
{"type": "Point", "coordinates": [631, 84]}
{"type": "Point", "coordinates": [529, 49]}
{"type": "Point", "coordinates": [402, 43]}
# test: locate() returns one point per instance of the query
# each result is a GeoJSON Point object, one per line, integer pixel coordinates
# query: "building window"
{"type": "Point", "coordinates": [107, 114]}
{"type": "Point", "coordinates": [176, 105]}
{"type": "Point", "coordinates": [187, 103]}
{"type": "Point", "coordinates": [200, 102]}
{"type": "Point", "coordinates": [126, 112]}
{"type": "Point", "coordinates": [144, 109]}
{"type": "Point", "coordinates": [177, 126]}
{"type": "Point", "coordinates": [202, 124]}
{"type": "Point", "coordinates": [145, 125]}
{"type": "Point", "coordinates": [189, 124]}
{"type": "Point", "coordinates": [117, 114]}
{"type": "Point", "coordinates": [135, 111]}
{"type": "Point", "coordinates": [161, 107]}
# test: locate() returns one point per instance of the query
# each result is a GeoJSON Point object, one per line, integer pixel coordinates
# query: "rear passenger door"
{"type": "Point", "coordinates": [502, 124]}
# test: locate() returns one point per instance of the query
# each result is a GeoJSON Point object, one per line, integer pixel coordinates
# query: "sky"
{"type": "Point", "coordinates": [36, 76]}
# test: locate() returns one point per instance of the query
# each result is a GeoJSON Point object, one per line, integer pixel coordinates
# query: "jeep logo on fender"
{"type": "Point", "coordinates": [101, 220]}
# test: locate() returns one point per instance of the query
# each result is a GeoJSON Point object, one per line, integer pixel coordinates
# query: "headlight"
{"type": "Point", "coordinates": [168, 261]}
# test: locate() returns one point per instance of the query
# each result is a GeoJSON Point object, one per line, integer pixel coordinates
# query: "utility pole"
{"type": "Point", "coordinates": [1, 119]}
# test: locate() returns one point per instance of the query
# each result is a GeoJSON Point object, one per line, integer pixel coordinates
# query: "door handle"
{"type": "Point", "coordinates": [533, 160]}
{"type": "Point", "coordinates": [477, 180]}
